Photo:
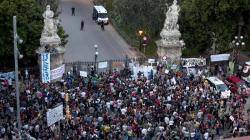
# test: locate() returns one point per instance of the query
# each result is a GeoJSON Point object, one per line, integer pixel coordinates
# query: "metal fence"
{"type": "Point", "coordinates": [115, 64]}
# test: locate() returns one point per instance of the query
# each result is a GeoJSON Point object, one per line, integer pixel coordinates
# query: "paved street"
{"type": "Point", "coordinates": [81, 43]}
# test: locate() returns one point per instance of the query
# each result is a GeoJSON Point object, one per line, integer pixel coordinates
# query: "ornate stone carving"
{"type": "Point", "coordinates": [50, 41]}
{"type": "Point", "coordinates": [170, 44]}
{"type": "Point", "coordinates": [49, 34]}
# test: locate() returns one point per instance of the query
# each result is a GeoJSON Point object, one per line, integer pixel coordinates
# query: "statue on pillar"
{"type": "Point", "coordinates": [50, 42]}
{"type": "Point", "coordinates": [170, 45]}
{"type": "Point", "coordinates": [172, 17]}
{"type": "Point", "coordinates": [49, 35]}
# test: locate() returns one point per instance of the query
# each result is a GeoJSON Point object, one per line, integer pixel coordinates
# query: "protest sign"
{"type": "Point", "coordinates": [192, 62]}
{"type": "Point", "coordinates": [58, 72]}
{"type": "Point", "coordinates": [54, 115]}
{"type": "Point", "coordinates": [150, 61]}
{"type": "Point", "coordinates": [219, 57]}
{"type": "Point", "coordinates": [118, 65]}
{"type": "Point", "coordinates": [7, 75]}
{"type": "Point", "coordinates": [83, 73]}
{"type": "Point", "coordinates": [102, 65]}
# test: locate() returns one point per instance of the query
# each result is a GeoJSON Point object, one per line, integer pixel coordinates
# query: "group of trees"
{"type": "Point", "coordinates": [198, 20]}
{"type": "Point", "coordinates": [29, 27]}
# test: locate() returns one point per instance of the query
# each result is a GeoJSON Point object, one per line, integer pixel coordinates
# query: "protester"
{"type": "Point", "coordinates": [113, 105]}
{"type": "Point", "coordinates": [73, 11]}
{"type": "Point", "coordinates": [82, 25]}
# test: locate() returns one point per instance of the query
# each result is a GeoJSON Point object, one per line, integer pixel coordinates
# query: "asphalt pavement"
{"type": "Point", "coordinates": [81, 43]}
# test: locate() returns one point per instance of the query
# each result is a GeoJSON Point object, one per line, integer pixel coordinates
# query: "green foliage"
{"type": "Point", "coordinates": [29, 26]}
{"type": "Point", "coordinates": [199, 18]}
{"type": "Point", "coordinates": [63, 36]}
{"type": "Point", "coordinates": [129, 16]}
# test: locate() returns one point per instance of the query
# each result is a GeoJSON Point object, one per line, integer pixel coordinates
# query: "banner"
{"type": "Point", "coordinates": [7, 75]}
{"type": "Point", "coordinates": [57, 73]}
{"type": "Point", "coordinates": [118, 65]}
{"type": "Point", "coordinates": [102, 65]}
{"type": "Point", "coordinates": [219, 57]}
{"type": "Point", "coordinates": [54, 115]}
{"type": "Point", "coordinates": [192, 62]}
{"type": "Point", "coordinates": [83, 74]}
{"type": "Point", "coordinates": [150, 61]}
{"type": "Point", "coordinates": [45, 64]}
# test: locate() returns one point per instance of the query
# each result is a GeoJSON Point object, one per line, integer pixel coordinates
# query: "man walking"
{"type": "Point", "coordinates": [73, 11]}
{"type": "Point", "coordinates": [82, 25]}
{"type": "Point", "coordinates": [102, 25]}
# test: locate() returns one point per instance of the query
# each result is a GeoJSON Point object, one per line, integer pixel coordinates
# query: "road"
{"type": "Point", "coordinates": [81, 43]}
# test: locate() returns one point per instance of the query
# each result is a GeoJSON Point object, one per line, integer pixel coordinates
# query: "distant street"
{"type": "Point", "coordinates": [81, 43]}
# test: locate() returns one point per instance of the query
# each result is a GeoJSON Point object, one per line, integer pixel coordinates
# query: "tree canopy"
{"type": "Point", "coordinates": [198, 20]}
{"type": "Point", "coordinates": [29, 27]}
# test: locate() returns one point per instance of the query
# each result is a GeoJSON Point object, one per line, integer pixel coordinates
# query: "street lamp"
{"type": "Point", "coordinates": [237, 43]}
{"type": "Point", "coordinates": [96, 55]}
{"type": "Point", "coordinates": [144, 43]}
{"type": "Point", "coordinates": [18, 40]}
{"type": "Point", "coordinates": [140, 38]}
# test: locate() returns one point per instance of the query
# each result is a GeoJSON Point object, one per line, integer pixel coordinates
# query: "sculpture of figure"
{"type": "Point", "coordinates": [50, 28]}
{"type": "Point", "coordinates": [172, 17]}
{"type": "Point", "coordinates": [214, 40]}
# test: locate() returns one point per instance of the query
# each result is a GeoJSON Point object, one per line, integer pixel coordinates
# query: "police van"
{"type": "Point", "coordinates": [219, 87]}
{"type": "Point", "coordinates": [100, 14]}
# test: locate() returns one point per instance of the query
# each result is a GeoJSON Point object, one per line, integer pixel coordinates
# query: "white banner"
{"type": "Point", "coordinates": [58, 72]}
{"type": "Point", "coordinates": [192, 62]}
{"type": "Point", "coordinates": [45, 63]}
{"type": "Point", "coordinates": [150, 61]}
{"type": "Point", "coordinates": [219, 57]}
{"type": "Point", "coordinates": [102, 65]}
{"type": "Point", "coordinates": [7, 75]}
{"type": "Point", "coordinates": [54, 115]}
{"type": "Point", "coordinates": [83, 74]}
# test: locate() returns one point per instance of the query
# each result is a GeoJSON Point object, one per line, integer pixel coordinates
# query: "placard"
{"type": "Point", "coordinates": [58, 72]}
{"type": "Point", "coordinates": [45, 64]}
{"type": "Point", "coordinates": [83, 74]}
{"type": "Point", "coordinates": [102, 65]}
{"type": "Point", "coordinates": [150, 61]}
{"type": "Point", "coordinates": [192, 62]}
{"type": "Point", "coordinates": [118, 65]}
{"type": "Point", "coordinates": [54, 115]}
{"type": "Point", "coordinates": [7, 75]}
{"type": "Point", "coordinates": [219, 57]}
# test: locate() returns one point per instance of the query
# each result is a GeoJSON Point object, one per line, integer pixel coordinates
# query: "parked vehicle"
{"type": "Point", "coordinates": [219, 87]}
{"type": "Point", "coordinates": [100, 14]}
{"type": "Point", "coordinates": [236, 85]}
{"type": "Point", "coordinates": [246, 73]}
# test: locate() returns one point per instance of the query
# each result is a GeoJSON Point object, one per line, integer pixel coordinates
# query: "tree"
{"type": "Point", "coordinates": [147, 15]}
{"type": "Point", "coordinates": [29, 26]}
{"type": "Point", "coordinates": [199, 19]}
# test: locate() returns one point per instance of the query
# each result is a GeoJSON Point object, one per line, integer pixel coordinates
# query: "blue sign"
{"type": "Point", "coordinates": [45, 63]}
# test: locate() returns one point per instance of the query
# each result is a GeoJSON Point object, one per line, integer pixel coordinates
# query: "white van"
{"type": "Point", "coordinates": [100, 14]}
{"type": "Point", "coordinates": [219, 86]}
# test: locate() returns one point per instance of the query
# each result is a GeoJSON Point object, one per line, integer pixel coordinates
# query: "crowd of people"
{"type": "Point", "coordinates": [117, 106]}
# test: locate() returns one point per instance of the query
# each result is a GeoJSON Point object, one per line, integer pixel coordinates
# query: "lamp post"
{"type": "Point", "coordinates": [237, 44]}
{"type": "Point", "coordinates": [16, 53]}
{"type": "Point", "coordinates": [96, 55]}
{"type": "Point", "coordinates": [140, 38]}
{"type": "Point", "coordinates": [144, 43]}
